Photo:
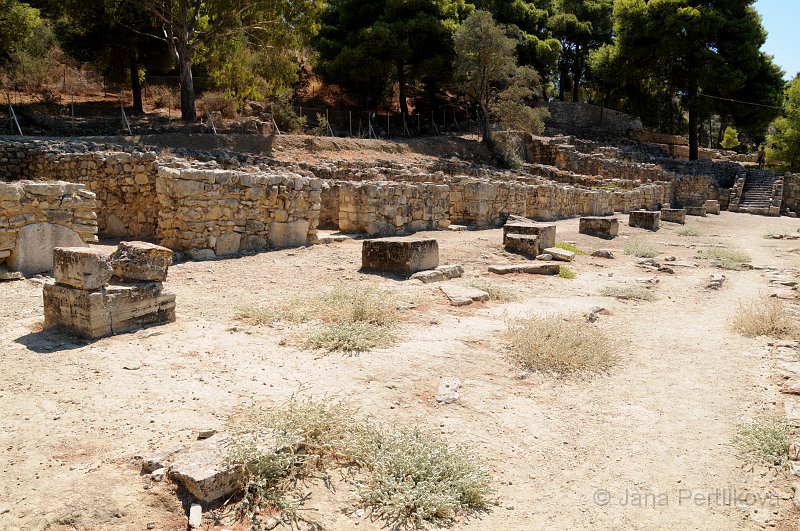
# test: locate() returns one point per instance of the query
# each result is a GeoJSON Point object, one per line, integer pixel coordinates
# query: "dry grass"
{"type": "Point", "coordinates": [688, 231]}
{"type": "Point", "coordinates": [355, 317]}
{"type": "Point", "coordinates": [766, 439]}
{"type": "Point", "coordinates": [495, 291]}
{"type": "Point", "coordinates": [766, 316]}
{"type": "Point", "coordinates": [405, 477]}
{"type": "Point", "coordinates": [628, 293]}
{"type": "Point", "coordinates": [640, 249]}
{"type": "Point", "coordinates": [559, 344]}
{"type": "Point", "coordinates": [731, 259]}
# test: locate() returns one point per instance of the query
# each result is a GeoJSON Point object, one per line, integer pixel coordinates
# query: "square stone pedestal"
{"type": "Point", "coordinates": [644, 219]}
{"type": "Point", "coordinates": [401, 256]}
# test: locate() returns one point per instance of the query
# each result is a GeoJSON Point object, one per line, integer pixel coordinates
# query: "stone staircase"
{"type": "Point", "coordinates": [759, 192]}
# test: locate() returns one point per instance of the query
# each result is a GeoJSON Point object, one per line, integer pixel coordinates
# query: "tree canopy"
{"type": "Point", "coordinates": [784, 141]}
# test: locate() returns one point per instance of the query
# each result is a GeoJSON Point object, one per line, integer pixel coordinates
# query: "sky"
{"type": "Point", "coordinates": [781, 19]}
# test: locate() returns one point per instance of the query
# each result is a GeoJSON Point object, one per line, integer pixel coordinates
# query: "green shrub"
{"type": "Point", "coordinates": [565, 272]}
{"type": "Point", "coordinates": [570, 247]}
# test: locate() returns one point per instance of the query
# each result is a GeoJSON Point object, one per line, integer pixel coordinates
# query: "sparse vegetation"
{"type": "Point", "coordinates": [628, 293]}
{"type": "Point", "coordinates": [766, 316]}
{"type": "Point", "coordinates": [766, 438]}
{"type": "Point", "coordinates": [731, 259]}
{"type": "Point", "coordinates": [559, 344]}
{"type": "Point", "coordinates": [570, 247]}
{"type": "Point", "coordinates": [565, 272]}
{"type": "Point", "coordinates": [688, 231]}
{"type": "Point", "coordinates": [356, 318]}
{"type": "Point", "coordinates": [405, 477]}
{"type": "Point", "coordinates": [640, 249]}
{"type": "Point", "coordinates": [495, 291]}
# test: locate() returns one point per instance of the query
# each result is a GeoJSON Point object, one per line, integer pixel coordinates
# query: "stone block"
{"type": "Point", "coordinates": [674, 215]}
{"type": "Point", "coordinates": [427, 277]}
{"type": "Point", "coordinates": [33, 249]}
{"type": "Point", "coordinates": [462, 295]}
{"type": "Point", "coordinates": [113, 310]}
{"type": "Point", "coordinates": [545, 231]}
{"type": "Point", "coordinates": [399, 255]}
{"type": "Point", "coordinates": [205, 472]}
{"type": "Point", "coordinates": [560, 255]}
{"type": "Point", "coordinates": [524, 244]}
{"type": "Point", "coordinates": [228, 244]}
{"type": "Point", "coordinates": [696, 211]}
{"type": "Point", "coordinates": [141, 261]}
{"type": "Point", "coordinates": [712, 207]}
{"type": "Point", "coordinates": [601, 226]}
{"type": "Point", "coordinates": [644, 219]}
{"type": "Point", "coordinates": [81, 267]}
{"type": "Point", "coordinates": [292, 234]}
{"type": "Point", "coordinates": [532, 269]}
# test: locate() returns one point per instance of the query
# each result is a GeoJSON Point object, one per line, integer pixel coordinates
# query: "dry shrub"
{"type": "Point", "coordinates": [731, 259]}
{"type": "Point", "coordinates": [688, 231]}
{"type": "Point", "coordinates": [495, 291]}
{"type": "Point", "coordinates": [640, 249]}
{"type": "Point", "coordinates": [405, 477]}
{"type": "Point", "coordinates": [766, 316]}
{"type": "Point", "coordinates": [164, 97]}
{"type": "Point", "coordinates": [560, 344]}
{"type": "Point", "coordinates": [211, 102]}
{"type": "Point", "coordinates": [765, 438]}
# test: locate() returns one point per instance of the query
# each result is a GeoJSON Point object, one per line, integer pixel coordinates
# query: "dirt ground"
{"type": "Point", "coordinates": [648, 445]}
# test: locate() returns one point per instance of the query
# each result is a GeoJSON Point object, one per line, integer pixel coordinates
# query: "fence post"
{"type": "Point", "coordinates": [328, 118]}
{"type": "Point", "coordinates": [14, 116]}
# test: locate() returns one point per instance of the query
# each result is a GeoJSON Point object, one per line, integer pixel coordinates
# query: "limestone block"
{"type": "Point", "coordinates": [601, 226]}
{"type": "Point", "coordinates": [133, 306]}
{"type": "Point", "coordinates": [228, 244]}
{"type": "Point", "coordinates": [292, 234]}
{"type": "Point", "coordinates": [81, 267]}
{"type": "Point", "coordinates": [545, 231]}
{"type": "Point", "coordinates": [712, 207]}
{"type": "Point", "coordinates": [644, 219]}
{"type": "Point", "coordinates": [399, 255]}
{"type": "Point", "coordinates": [205, 472]}
{"type": "Point", "coordinates": [141, 261]}
{"type": "Point", "coordinates": [562, 255]}
{"type": "Point", "coordinates": [696, 211]}
{"type": "Point", "coordinates": [524, 244]}
{"type": "Point", "coordinates": [674, 215]}
{"type": "Point", "coordinates": [463, 295]}
{"type": "Point", "coordinates": [33, 249]}
{"type": "Point", "coordinates": [533, 269]}
{"type": "Point", "coordinates": [427, 277]}
{"type": "Point", "coordinates": [83, 313]}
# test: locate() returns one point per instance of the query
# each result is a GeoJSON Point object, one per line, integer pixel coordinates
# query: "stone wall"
{"type": "Point", "coordinates": [215, 212]}
{"type": "Point", "coordinates": [791, 193]}
{"type": "Point", "coordinates": [571, 116]}
{"type": "Point", "coordinates": [124, 181]}
{"type": "Point", "coordinates": [694, 190]}
{"type": "Point", "coordinates": [25, 202]}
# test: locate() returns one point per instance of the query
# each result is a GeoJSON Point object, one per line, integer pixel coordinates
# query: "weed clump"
{"type": "Point", "coordinates": [565, 272]}
{"type": "Point", "coordinates": [688, 231]}
{"type": "Point", "coordinates": [635, 293]}
{"type": "Point", "coordinates": [763, 317]}
{"type": "Point", "coordinates": [559, 344]}
{"type": "Point", "coordinates": [766, 439]}
{"type": "Point", "coordinates": [640, 249]}
{"type": "Point", "coordinates": [730, 259]}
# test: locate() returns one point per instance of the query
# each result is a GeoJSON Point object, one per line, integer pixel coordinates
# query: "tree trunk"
{"type": "Point", "coordinates": [136, 87]}
{"type": "Point", "coordinates": [188, 111]}
{"type": "Point", "coordinates": [563, 75]}
{"type": "Point", "coordinates": [401, 81]}
{"type": "Point", "coordinates": [693, 146]}
{"type": "Point", "coordinates": [576, 77]}
{"type": "Point", "coordinates": [487, 132]}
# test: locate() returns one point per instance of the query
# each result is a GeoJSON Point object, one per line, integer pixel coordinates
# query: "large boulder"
{"type": "Point", "coordinates": [141, 261]}
{"type": "Point", "coordinates": [33, 250]}
{"type": "Point", "coordinates": [401, 256]}
{"type": "Point", "coordinates": [81, 267]}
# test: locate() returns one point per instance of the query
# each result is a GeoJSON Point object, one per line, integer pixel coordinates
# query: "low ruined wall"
{"type": "Point", "coordinates": [123, 181]}
{"type": "Point", "coordinates": [571, 116]}
{"type": "Point", "coordinates": [791, 193]}
{"type": "Point", "coordinates": [694, 191]}
{"type": "Point", "coordinates": [25, 202]}
{"type": "Point", "coordinates": [221, 212]}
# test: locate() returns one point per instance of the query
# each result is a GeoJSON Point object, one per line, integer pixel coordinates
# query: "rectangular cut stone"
{"type": "Point", "coordinates": [545, 231]}
{"type": "Point", "coordinates": [400, 255]}
{"type": "Point", "coordinates": [524, 244]}
{"type": "Point", "coordinates": [81, 267]}
{"type": "Point", "coordinates": [600, 226]}
{"type": "Point", "coordinates": [674, 215]}
{"type": "Point", "coordinates": [547, 268]}
{"type": "Point", "coordinates": [141, 261]}
{"type": "Point", "coordinates": [116, 309]}
{"type": "Point", "coordinates": [644, 219]}
{"type": "Point", "coordinates": [83, 313]}
{"type": "Point", "coordinates": [696, 211]}
{"type": "Point", "coordinates": [133, 306]}
{"type": "Point", "coordinates": [712, 207]}
{"type": "Point", "coordinates": [205, 472]}
{"type": "Point", "coordinates": [562, 255]}
{"type": "Point", "coordinates": [462, 295]}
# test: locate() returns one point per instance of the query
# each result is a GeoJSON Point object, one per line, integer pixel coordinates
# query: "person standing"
{"type": "Point", "coordinates": [762, 157]}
